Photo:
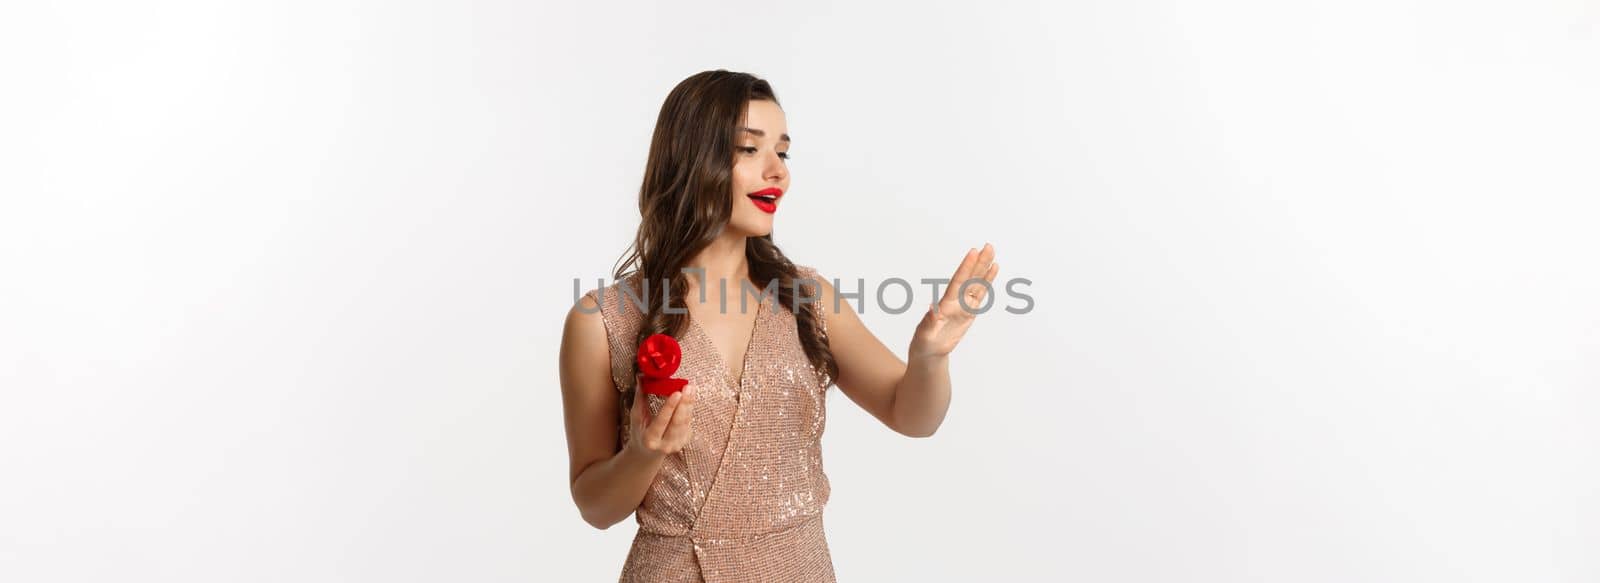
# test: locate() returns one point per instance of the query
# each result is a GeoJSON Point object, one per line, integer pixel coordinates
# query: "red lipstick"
{"type": "Point", "coordinates": [766, 199]}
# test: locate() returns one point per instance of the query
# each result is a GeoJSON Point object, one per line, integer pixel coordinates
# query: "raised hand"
{"type": "Point", "coordinates": [946, 321]}
{"type": "Point", "coordinates": [668, 430]}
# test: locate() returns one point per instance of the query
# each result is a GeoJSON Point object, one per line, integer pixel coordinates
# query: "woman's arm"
{"type": "Point", "coordinates": [607, 484]}
{"type": "Point", "coordinates": [910, 398]}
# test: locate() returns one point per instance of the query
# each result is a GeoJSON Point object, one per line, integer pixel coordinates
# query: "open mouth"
{"type": "Point", "coordinates": [766, 199]}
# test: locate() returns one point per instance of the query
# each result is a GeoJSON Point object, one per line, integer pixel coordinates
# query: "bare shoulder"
{"type": "Point", "coordinates": [583, 337]}
{"type": "Point", "coordinates": [585, 314]}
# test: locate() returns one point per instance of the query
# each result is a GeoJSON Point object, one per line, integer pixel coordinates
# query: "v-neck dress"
{"type": "Point", "coordinates": [743, 500]}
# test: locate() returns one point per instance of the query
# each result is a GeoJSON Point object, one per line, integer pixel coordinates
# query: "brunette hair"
{"type": "Point", "coordinates": [687, 198]}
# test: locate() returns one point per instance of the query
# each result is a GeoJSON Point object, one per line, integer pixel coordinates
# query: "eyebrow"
{"type": "Point", "coordinates": [762, 134]}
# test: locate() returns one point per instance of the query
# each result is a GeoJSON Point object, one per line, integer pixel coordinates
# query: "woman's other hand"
{"type": "Point", "coordinates": [946, 321]}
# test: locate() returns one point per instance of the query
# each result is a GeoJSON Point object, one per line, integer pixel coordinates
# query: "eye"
{"type": "Point", "coordinates": [752, 150]}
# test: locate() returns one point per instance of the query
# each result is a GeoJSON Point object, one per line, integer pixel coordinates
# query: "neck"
{"type": "Point", "coordinates": [722, 260]}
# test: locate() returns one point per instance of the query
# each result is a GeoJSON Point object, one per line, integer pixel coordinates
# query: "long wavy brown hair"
{"type": "Point", "coordinates": [687, 198]}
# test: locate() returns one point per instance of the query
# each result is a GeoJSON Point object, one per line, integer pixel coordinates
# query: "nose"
{"type": "Point", "coordinates": [776, 169]}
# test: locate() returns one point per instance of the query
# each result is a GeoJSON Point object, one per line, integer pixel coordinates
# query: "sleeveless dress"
{"type": "Point", "coordinates": [743, 500]}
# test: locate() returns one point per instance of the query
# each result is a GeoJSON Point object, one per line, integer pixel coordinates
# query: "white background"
{"type": "Point", "coordinates": [282, 284]}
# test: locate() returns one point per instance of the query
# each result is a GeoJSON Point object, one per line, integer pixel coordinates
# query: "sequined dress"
{"type": "Point", "coordinates": [743, 500]}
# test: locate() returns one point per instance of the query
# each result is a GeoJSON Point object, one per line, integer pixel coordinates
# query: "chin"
{"type": "Point", "coordinates": [756, 228]}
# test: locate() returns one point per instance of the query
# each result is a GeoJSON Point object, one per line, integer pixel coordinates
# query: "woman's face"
{"type": "Point", "coordinates": [760, 165]}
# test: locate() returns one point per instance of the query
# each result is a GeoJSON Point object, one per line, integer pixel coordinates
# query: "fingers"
{"type": "Point", "coordinates": [658, 426]}
{"type": "Point", "coordinates": [679, 428]}
{"type": "Point", "coordinates": [672, 425]}
{"type": "Point", "coordinates": [977, 264]}
{"type": "Point", "coordinates": [980, 268]}
{"type": "Point", "coordinates": [978, 291]}
{"type": "Point", "coordinates": [967, 263]}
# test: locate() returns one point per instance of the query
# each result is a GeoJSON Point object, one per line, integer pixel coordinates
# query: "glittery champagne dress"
{"type": "Point", "coordinates": [743, 500]}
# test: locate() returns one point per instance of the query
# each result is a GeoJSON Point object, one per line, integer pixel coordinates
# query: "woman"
{"type": "Point", "coordinates": [725, 476]}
